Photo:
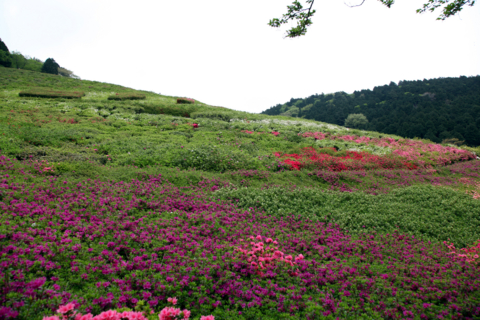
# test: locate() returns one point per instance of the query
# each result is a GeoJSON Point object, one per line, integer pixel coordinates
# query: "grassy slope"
{"type": "Point", "coordinates": [123, 140]}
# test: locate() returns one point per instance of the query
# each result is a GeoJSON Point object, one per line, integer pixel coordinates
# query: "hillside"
{"type": "Point", "coordinates": [123, 204]}
{"type": "Point", "coordinates": [435, 109]}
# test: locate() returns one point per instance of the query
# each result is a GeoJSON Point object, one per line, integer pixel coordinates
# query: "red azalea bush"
{"type": "Point", "coordinates": [194, 125]}
{"type": "Point", "coordinates": [417, 152]}
{"type": "Point", "coordinates": [351, 160]}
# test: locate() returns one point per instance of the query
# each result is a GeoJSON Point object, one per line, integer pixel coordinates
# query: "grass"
{"type": "Point", "coordinates": [114, 201]}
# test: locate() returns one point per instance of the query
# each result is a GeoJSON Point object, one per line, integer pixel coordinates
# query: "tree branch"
{"type": "Point", "coordinates": [356, 5]}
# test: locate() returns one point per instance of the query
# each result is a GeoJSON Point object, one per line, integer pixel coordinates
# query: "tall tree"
{"type": "Point", "coordinates": [19, 61]}
{"type": "Point", "coordinates": [50, 66]}
{"type": "Point", "coordinates": [296, 12]}
{"type": "Point", "coordinates": [5, 59]}
{"type": "Point", "coordinates": [3, 46]}
{"type": "Point", "coordinates": [356, 120]}
{"type": "Point", "coordinates": [5, 56]}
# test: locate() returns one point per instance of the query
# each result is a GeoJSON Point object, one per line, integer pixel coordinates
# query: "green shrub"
{"type": "Point", "coordinates": [210, 158]}
{"type": "Point", "coordinates": [328, 151]}
{"type": "Point", "coordinates": [174, 110]}
{"type": "Point", "coordinates": [127, 96]}
{"type": "Point", "coordinates": [49, 93]}
{"type": "Point", "coordinates": [185, 101]}
{"type": "Point", "coordinates": [292, 137]}
{"type": "Point", "coordinates": [215, 115]}
{"type": "Point", "coordinates": [342, 153]}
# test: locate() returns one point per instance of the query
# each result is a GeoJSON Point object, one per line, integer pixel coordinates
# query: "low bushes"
{"type": "Point", "coordinates": [173, 110]}
{"type": "Point", "coordinates": [215, 115]}
{"type": "Point", "coordinates": [49, 93]}
{"type": "Point", "coordinates": [127, 96]}
{"type": "Point", "coordinates": [185, 101]}
{"type": "Point", "coordinates": [214, 159]}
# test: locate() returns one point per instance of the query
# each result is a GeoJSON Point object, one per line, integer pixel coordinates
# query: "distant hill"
{"type": "Point", "coordinates": [435, 109]}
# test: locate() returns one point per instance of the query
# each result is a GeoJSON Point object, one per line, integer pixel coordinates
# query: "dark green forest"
{"type": "Point", "coordinates": [434, 109]}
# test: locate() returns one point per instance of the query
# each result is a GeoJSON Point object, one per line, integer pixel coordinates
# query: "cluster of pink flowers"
{"type": "Point", "coordinates": [170, 313]}
{"type": "Point", "coordinates": [264, 256]}
{"type": "Point", "coordinates": [316, 135]}
{"type": "Point", "coordinates": [470, 255]}
{"type": "Point", "coordinates": [68, 312]}
{"type": "Point", "coordinates": [418, 152]}
{"type": "Point", "coordinates": [42, 166]}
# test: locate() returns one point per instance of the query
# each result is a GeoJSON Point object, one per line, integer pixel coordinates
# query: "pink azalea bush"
{"type": "Point", "coordinates": [264, 255]}
{"type": "Point", "coordinates": [42, 166]}
{"type": "Point", "coordinates": [470, 255]}
{"type": "Point", "coordinates": [68, 312]}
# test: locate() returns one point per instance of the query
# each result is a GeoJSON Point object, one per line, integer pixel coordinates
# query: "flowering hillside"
{"type": "Point", "coordinates": [149, 209]}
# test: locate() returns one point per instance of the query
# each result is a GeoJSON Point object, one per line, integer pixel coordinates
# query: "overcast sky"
{"type": "Point", "coordinates": [223, 53]}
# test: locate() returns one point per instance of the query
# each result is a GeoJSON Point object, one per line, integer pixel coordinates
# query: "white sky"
{"type": "Point", "coordinates": [223, 53]}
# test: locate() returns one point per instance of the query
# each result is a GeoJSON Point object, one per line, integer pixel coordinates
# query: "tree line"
{"type": "Point", "coordinates": [436, 109]}
{"type": "Point", "coordinates": [17, 60]}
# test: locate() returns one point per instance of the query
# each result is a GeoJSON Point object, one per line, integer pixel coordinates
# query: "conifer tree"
{"type": "Point", "coordinates": [50, 66]}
